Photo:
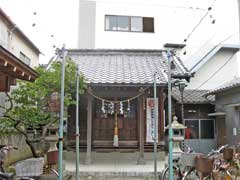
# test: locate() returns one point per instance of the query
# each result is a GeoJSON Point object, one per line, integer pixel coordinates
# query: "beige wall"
{"type": "Point", "coordinates": [18, 45]}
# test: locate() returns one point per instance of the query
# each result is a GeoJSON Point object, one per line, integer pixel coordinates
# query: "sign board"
{"type": "Point", "coordinates": [151, 119]}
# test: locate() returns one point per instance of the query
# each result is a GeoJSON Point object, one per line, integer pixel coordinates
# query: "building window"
{"type": "Point", "coordinates": [207, 129]}
{"type": "Point", "coordinates": [192, 130]}
{"type": "Point", "coordinates": [25, 59]}
{"type": "Point", "coordinates": [199, 129]}
{"type": "Point", "coordinates": [129, 23]}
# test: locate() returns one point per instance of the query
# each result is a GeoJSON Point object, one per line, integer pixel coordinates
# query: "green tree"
{"type": "Point", "coordinates": [28, 105]}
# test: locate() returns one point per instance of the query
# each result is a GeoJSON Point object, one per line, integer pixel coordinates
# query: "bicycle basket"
{"type": "Point", "coordinates": [204, 164]}
{"type": "Point", "coordinates": [228, 154]}
{"type": "Point", "coordinates": [189, 159]}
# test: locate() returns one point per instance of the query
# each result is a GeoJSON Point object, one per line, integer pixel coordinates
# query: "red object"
{"type": "Point", "coordinates": [188, 133]}
{"type": "Point", "coordinates": [52, 157]}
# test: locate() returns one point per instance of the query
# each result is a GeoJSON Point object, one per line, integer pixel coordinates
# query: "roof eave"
{"type": "Point", "coordinates": [234, 47]}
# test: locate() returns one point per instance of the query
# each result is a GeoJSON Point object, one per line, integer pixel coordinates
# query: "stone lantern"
{"type": "Point", "coordinates": [178, 137]}
{"type": "Point", "coordinates": [52, 139]}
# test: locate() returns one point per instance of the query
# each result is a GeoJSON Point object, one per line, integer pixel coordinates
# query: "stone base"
{"type": "Point", "coordinates": [162, 155]}
{"type": "Point", "coordinates": [141, 161]}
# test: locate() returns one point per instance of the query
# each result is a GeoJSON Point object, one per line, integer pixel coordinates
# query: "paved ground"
{"type": "Point", "coordinates": [114, 165]}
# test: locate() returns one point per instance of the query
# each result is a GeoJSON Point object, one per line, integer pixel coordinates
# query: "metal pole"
{"type": "Point", "coordinates": [170, 133]}
{"type": "Point", "coordinates": [77, 127]}
{"type": "Point", "coordinates": [63, 54]}
{"type": "Point", "coordinates": [155, 128]}
{"type": "Point", "coordinates": [238, 19]}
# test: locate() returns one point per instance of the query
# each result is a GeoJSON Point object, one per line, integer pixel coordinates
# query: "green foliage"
{"type": "Point", "coordinates": [31, 100]}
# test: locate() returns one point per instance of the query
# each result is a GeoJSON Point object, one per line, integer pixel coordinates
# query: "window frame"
{"type": "Point", "coordinates": [200, 128]}
{"type": "Point", "coordinates": [129, 24]}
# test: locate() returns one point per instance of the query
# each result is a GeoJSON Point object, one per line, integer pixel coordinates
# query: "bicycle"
{"type": "Point", "coordinates": [178, 172]}
{"type": "Point", "coordinates": [190, 172]}
{"type": "Point", "coordinates": [4, 149]}
{"type": "Point", "coordinates": [220, 168]}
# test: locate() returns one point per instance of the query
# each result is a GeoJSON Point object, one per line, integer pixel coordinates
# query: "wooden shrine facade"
{"type": "Point", "coordinates": [97, 127]}
{"type": "Point", "coordinates": [120, 82]}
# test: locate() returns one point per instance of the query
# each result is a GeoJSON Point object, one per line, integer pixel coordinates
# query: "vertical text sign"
{"type": "Point", "coordinates": [151, 120]}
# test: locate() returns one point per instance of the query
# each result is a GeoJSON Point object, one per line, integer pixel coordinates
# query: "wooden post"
{"type": "Point", "coordinates": [89, 130]}
{"type": "Point", "coordinates": [161, 101]}
{"type": "Point", "coordinates": [141, 160]}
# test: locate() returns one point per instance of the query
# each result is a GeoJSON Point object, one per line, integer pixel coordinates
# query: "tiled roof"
{"type": "Point", "coordinates": [191, 96]}
{"type": "Point", "coordinates": [106, 66]}
{"type": "Point", "coordinates": [226, 86]}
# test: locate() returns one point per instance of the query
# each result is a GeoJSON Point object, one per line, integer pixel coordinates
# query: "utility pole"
{"type": "Point", "coordinates": [63, 54]}
{"type": "Point", "coordinates": [77, 126]}
{"type": "Point", "coordinates": [170, 131]}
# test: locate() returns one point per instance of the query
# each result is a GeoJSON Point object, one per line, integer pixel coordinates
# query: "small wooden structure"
{"type": "Point", "coordinates": [12, 68]}
{"type": "Point", "coordinates": [120, 82]}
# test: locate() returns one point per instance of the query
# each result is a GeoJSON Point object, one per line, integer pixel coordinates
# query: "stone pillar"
{"type": "Point", "coordinates": [141, 160]}
{"type": "Point", "coordinates": [89, 130]}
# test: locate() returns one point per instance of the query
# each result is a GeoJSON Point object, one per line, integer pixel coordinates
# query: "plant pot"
{"type": "Point", "coordinates": [52, 157]}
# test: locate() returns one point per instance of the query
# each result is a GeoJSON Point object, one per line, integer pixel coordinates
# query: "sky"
{"type": "Point", "coordinates": [56, 21]}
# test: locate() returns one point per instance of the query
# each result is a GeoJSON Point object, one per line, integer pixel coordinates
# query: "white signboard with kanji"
{"type": "Point", "coordinates": [151, 119]}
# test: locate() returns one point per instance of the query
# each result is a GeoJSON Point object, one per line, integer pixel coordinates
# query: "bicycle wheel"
{"type": "Point", "coordinates": [191, 174]}
{"type": "Point", "coordinates": [176, 174]}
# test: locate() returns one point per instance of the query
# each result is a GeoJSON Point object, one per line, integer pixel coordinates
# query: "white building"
{"type": "Point", "coordinates": [18, 55]}
{"type": "Point", "coordinates": [132, 24]}
{"type": "Point", "coordinates": [149, 25]}
{"type": "Point", "coordinates": [16, 42]}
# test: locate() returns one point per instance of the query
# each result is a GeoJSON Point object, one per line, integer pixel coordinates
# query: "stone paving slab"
{"type": "Point", "coordinates": [114, 164]}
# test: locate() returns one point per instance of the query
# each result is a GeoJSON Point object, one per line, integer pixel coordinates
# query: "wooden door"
{"type": "Point", "coordinates": [221, 131]}
{"type": "Point", "coordinates": [104, 123]}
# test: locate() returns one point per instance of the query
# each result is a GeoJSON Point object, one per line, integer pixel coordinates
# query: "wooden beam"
{"type": "Point", "coordinates": [4, 83]}
{"type": "Point", "coordinates": [89, 130]}
{"type": "Point", "coordinates": [9, 71]}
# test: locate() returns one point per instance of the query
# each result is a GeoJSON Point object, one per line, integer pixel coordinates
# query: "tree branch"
{"type": "Point", "coordinates": [27, 139]}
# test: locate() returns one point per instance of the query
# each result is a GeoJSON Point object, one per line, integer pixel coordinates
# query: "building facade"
{"type": "Point", "coordinates": [16, 42]}
{"type": "Point", "coordinates": [227, 112]}
{"type": "Point", "coordinates": [17, 55]}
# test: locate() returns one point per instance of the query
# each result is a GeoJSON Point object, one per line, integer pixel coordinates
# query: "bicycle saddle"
{"type": "Point", "coordinates": [6, 175]}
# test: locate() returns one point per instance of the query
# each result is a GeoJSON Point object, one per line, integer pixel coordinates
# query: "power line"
{"type": "Point", "coordinates": [200, 21]}
{"type": "Point", "coordinates": [228, 60]}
